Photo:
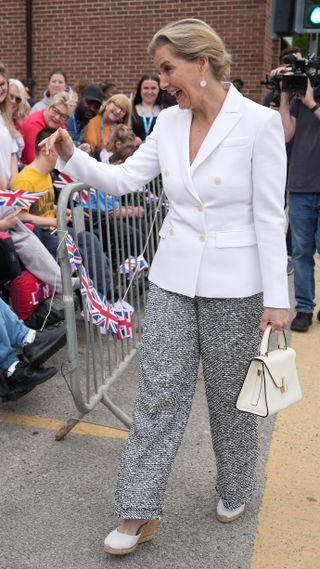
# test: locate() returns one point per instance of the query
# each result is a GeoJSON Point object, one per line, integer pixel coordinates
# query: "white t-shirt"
{"type": "Point", "coordinates": [8, 146]}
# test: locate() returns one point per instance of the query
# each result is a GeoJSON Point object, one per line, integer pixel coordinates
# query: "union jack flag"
{"type": "Point", "coordinates": [109, 320]}
{"type": "Point", "coordinates": [99, 309]}
{"type": "Point", "coordinates": [133, 265]}
{"type": "Point", "coordinates": [124, 311]}
{"type": "Point", "coordinates": [84, 196]}
{"type": "Point", "coordinates": [85, 282]}
{"type": "Point", "coordinates": [61, 180]}
{"type": "Point", "coordinates": [142, 264]}
{"type": "Point", "coordinates": [20, 198]}
{"type": "Point", "coordinates": [73, 252]}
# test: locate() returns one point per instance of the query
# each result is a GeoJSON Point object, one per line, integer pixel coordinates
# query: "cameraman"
{"type": "Point", "coordinates": [301, 123]}
{"type": "Point", "coordinates": [272, 97]}
{"type": "Point", "coordinates": [272, 100]}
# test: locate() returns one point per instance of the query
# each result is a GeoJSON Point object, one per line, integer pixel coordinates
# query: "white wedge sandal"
{"type": "Point", "coordinates": [226, 515]}
{"type": "Point", "coordinates": [117, 543]}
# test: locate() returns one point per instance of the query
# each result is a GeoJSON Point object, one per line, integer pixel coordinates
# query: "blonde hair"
{"type": "Point", "coordinates": [121, 133]}
{"type": "Point", "coordinates": [192, 38]}
{"type": "Point", "coordinates": [65, 99]}
{"type": "Point", "coordinates": [124, 102]}
{"type": "Point", "coordinates": [24, 107]}
{"type": "Point", "coordinates": [5, 106]}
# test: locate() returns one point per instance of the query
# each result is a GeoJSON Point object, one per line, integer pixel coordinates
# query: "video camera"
{"type": "Point", "coordinates": [295, 83]}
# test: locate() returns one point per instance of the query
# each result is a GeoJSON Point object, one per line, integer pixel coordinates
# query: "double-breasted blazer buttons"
{"type": "Point", "coordinates": [243, 155]}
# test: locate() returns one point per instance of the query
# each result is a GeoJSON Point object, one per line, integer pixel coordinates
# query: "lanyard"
{"type": "Point", "coordinates": [77, 133]}
{"type": "Point", "coordinates": [102, 132]}
{"type": "Point", "coordinates": [147, 122]}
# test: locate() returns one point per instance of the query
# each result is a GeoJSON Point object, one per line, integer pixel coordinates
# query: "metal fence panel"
{"type": "Point", "coordinates": [108, 231]}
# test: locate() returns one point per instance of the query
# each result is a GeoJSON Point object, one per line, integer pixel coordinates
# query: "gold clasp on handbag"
{"type": "Point", "coordinates": [284, 386]}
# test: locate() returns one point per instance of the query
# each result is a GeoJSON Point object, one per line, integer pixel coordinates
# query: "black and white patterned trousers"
{"type": "Point", "coordinates": [178, 330]}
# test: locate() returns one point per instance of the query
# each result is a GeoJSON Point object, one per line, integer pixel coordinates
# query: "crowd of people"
{"type": "Point", "coordinates": [110, 126]}
{"type": "Point", "coordinates": [103, 122]}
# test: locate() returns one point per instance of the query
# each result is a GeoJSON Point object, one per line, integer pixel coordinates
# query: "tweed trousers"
{"type": "Point", "coordinates": [178, 331]}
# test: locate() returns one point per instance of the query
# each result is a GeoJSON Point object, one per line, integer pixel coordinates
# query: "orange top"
{"type": "Point", "coordinates": [92, 134]}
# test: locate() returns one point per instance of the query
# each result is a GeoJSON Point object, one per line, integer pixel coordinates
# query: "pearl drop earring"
{"type": "Point", "coordinates": [203, 83]}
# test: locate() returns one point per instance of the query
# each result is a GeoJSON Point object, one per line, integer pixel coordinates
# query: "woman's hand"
{"type": "Point", "coordinates": [278, 318]}
{"type": "Point", "coordinates": [61, 142]}
{"type": "Point", "coordinates": [85, 147]}
{"type": "Point", "coordinates": [9, 221]}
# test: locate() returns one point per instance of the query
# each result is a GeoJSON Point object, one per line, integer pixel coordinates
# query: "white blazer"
{"type": "Point", "coordinates": [224, 235]}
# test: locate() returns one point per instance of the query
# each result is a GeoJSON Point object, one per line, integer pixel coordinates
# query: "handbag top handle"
{"type": "Point", "coordinates": [264, 347]}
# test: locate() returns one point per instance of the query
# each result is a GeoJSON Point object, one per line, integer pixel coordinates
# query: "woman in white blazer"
{"type": "Point", "coordinates": [219, 271]}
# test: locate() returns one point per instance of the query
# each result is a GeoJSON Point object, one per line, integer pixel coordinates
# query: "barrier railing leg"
{"type": "Point", "coordinates": [117, 412]}
{"type": "Point", "coordinates": [66, 428]}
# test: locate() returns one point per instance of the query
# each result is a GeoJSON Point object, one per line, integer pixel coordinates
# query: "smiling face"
{"type": "Point", "coordinates": [56, 84]}
{"type": "Point", "coordinates": [180, 77]}
{"type": "Point", "coordinates": [149, 91]}
{"type": "Point", "coordinates": [56, 115]}
{"type": "Point", "coordinates": [3, 88]}
{"type": "Point", "coordinates": [114, 113]}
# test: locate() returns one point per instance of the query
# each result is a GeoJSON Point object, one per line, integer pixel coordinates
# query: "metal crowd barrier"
{"type": "Point", "coordinates": [125, 227]}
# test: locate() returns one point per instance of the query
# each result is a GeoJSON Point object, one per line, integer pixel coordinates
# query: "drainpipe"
{"type": "Point", "coordinates": [30, 81]}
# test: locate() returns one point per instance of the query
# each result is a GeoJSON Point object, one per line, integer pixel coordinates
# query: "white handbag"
{"type": "Point", "coordinates": [271, 383]}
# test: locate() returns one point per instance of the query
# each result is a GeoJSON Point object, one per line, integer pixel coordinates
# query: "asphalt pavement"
{"type": "Point", "coordinates": [56, 498]}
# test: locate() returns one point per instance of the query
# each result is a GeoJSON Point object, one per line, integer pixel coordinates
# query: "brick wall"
{"type": "Point", "coordinates": [101, 40]}
{"type": "Point", "coordinates": [13, 37]}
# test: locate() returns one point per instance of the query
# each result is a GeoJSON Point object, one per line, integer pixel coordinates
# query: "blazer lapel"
{"type": "Point", "coordinates": [228, 117]}
{"type": "Point", "coordinates": [183, 140]}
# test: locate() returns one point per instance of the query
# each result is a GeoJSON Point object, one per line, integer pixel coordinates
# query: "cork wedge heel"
{"type": "Point", "coordinates": [117, 543]}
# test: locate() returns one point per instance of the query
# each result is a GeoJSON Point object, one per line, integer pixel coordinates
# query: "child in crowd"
{"type": "Point", "coordinates": [121, 135]}
{"type": "Point", "coordinates": [36, 178]}
{"type": "Point", "coordinates": [110, 207]}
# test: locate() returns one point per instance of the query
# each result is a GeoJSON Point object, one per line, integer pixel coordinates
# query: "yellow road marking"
{"type": "Point", "coordinates": [53, 425]}
{"type": "Point", "coordinates": [288, 535]}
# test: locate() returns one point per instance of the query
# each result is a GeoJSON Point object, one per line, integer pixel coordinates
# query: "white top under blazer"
{"type": "Point", "coordinates": [224, 235]}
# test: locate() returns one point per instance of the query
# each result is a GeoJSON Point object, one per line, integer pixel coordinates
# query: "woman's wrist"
{"type": "Point", "coordinates": [66, 155]}
{"type": "Point", "coordinates": [313, 108]}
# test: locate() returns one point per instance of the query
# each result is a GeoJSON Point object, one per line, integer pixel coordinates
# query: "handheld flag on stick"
{"type": "Point", "coordinates": [133, 265]}
{"type": "Point", "coordinates": [19, 198]}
